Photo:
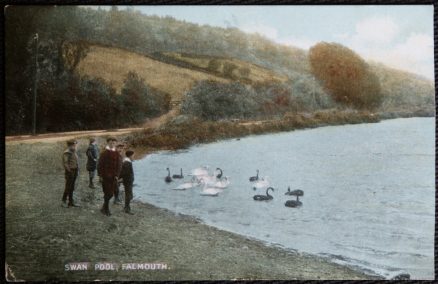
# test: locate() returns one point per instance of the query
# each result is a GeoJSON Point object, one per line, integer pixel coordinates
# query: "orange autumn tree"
{"type": "Point", "coordinates": [345, 75]}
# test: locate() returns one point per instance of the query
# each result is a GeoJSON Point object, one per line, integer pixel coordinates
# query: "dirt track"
{"type": "Point", "coordinates": [63, 136]}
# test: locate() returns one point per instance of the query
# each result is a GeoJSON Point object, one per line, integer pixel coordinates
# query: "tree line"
{"type": "Point", "coordinates": [211, 100]}
{"type": "Point", "coordinates": [65, 100]}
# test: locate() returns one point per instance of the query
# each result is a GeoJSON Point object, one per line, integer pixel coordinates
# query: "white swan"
{"type": "Point", "coordinates": [187, 185]}
{"type": "Point", "coordinates": [224, 183]}
{"type": "Point", "coordinates": [203, 171]}
{"type": "Point", "coordinates": [209, 191]}
{"type": "Point", "coordinates": [261, 183]}
{"type": "Point", "coordinates": [207, 180]}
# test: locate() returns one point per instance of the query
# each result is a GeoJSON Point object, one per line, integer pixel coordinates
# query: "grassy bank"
{"type": "Point", "coordinates": [41, 236]}
{"type": "Point", "coordinates": [186, 131]}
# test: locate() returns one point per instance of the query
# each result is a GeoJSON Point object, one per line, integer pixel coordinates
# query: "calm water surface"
{"type": "Point", "coordinates": [369, 197]}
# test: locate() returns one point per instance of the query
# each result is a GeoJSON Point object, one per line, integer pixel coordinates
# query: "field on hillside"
{"type": "Point", "coordinates": [229, 67]}
{"type": "Point", "coordinates": [113, 65]}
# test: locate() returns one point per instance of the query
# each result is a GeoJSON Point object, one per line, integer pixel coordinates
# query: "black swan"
{"type": "Point", "coordinates": [168, 178]}
{"type": "Point", "coordinates": [264, 197]}
{"type": "Point", "coordinates": [178, 176]}
{"type": "Point", "coordinates": [295, 203]}
{"type": "Point", "coordinates": [255, 178]}
{"type": "Point", "coordinates": [220, 174]}
{"type": "Point", "coordinates": [297, 192]}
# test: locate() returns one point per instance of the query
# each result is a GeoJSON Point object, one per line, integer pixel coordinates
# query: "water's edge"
{"type": "Point", "coordinates": [371, 274]}
{"type": "Point", "coordinates": [141, 144]}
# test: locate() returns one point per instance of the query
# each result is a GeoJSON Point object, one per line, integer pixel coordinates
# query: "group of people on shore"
{"type": "Point", "coordinates": [111, 168]}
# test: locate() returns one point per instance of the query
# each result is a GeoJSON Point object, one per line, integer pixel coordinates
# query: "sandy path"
{"type": "Point", "coordinates": [63, 136]}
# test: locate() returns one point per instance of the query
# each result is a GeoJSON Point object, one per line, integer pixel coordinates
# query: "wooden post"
{"type": "Point", "coordinates": [35, 85]}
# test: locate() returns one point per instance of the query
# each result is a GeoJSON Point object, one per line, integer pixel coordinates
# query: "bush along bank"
{"type": "Point", "coordinates": [185, 131]}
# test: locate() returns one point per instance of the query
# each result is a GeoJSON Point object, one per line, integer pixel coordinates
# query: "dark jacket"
{"type": "Point", "coordinates": [121, 163]}
{"type": "Point", "coordinates": [70, 160]}
{"type": "Point", "coordinates": [127, 173]}
{"type": "Point", "coordinates": [92, 157]}
{"type": "Point", "coordinates": [109, 164]}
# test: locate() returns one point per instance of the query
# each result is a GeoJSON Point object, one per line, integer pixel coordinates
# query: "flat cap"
{"type": "Point", "coordinates": [71, 142]}
{"type": "Point", "coordinates": [111, 139]}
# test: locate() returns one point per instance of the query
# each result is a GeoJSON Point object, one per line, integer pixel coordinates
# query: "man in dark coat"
{"type": "Point", "coordinates": [92, 157]}
{"type": "Point", "coordinates": [108, 168]}
{"type": "Point", "coordinates": [71, 167]}
{"type": "Point", "coordinates": [119, 149]}
{"type": "Point", "coordinates": [127, 177]}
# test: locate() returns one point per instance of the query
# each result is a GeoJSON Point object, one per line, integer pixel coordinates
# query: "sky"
{"type": "Point", "coordinates": [400, 36]}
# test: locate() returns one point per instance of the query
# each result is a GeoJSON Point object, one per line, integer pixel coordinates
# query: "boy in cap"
{"type": "Point", "coordinates": [108, 168]}
{"type": "Point", "coordinates": [92, 156]}
{"type": "Point", "coordinates": [71, 167]}
{"type": "Point", "coordinates": [127, 177]}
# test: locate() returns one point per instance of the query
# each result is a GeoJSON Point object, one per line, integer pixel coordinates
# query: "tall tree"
{"type": "Point", "coordinates": [345, 75]}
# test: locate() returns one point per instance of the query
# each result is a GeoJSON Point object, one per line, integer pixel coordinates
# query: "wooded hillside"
{"type": "Point", "coordinates": [87, 57]}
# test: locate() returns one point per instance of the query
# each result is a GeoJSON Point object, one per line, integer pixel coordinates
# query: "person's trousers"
{"type": "Point", "coordinates": [92, 174]}
{"type": "Point", "coordinates": [70, 180]}
{"type": "Point", "coordinates": [109, 185]}
{"type": "Point", "coordinates": [116, 193]}
{"type": "Point", "coordinates": [128, 195]}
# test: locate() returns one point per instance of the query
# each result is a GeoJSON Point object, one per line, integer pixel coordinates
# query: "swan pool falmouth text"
{"type": "Point", "coordinates": [108, 266]}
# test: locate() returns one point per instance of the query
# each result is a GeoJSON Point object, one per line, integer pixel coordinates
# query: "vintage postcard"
{"type": "Point", "coordinates": [219, 142]}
